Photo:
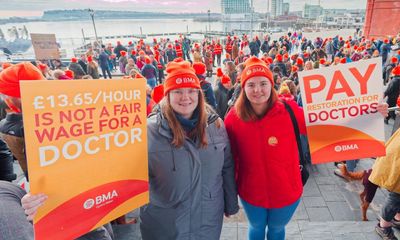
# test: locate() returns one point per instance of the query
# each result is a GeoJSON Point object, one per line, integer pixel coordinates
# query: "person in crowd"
{"type": "Point", "coordinates": [392, 92]}
{"type": "Point", "coordinates": [222, 94]}
{"type": "Point", "coordinates": [104, 63]}
{"type": "Point", "coordinates": [266, 155]}
{"type": "Point", "coordinates": [385, 174]}
{"type": "Point", "coordinates": [76, 68]}
{"type": "Point", "coordinates": [188, 197]}
{"type": "Point", "coordinates": [150, 72]}
{"type": "Point", "coordinates": [200, 70]}
{"type": "Point", "coordinates": [254, 118]}
{"type": "Point", "coordinates": [92, 68]}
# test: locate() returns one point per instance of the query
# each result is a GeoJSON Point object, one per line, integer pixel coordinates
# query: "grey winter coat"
{"type": "Point", "coordinates": [190, 187]}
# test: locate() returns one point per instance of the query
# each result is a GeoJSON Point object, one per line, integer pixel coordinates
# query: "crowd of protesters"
{"type": "Point", "coordinates": [254, 88]}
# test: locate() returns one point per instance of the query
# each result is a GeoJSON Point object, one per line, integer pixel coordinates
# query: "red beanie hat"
{"type": "Point", "coordinates": [306, 54]}
{"type": "Point", "coordinates": [269, 60]}
{"type": "Point", "coordinates": [69, 73]}
{"type": "Point", "coordinates": [343, 60]}
{"type": "Point", "coordinates": [10, 77]}
{"type": "Point", "coordinates": [42, 66]}
{"type": "Point", "coordinates": [219, 72]}
{"type": "Point", "coordinates": [295, 68]}
{"type": "Point", "coordinates": [299, 61]}
{"type": "Point", "coordinates": [133, 52]}
{"type": "Point", "coordinates": [141, 52]}
{"type": "Point", "coordinates": [394, 60]}
{"type": "Point", "coordinates": [255, 67]}
{"type": "Point", "coordinates": [322, 61]}
{"type": "Point", "coordinates": [158, 93]}
{"type": "Point", "coordinates": [6, 65]}
{"type": "Point", "coordinates": [180, 75]}
{"type": "Point", "coordinates": [123, 53]}
{"type": "Point", "coordinates": [74, 60]}
{"type": "Point", "coordinates": [199, 68]}
{"type": "Point", "coordinates": [396, 71]}
{"type": "Point", "coordinates": [225, 79]}
{"type": "Point", "coordinates": [147, 60]}
{"type": "Point", "coordinates": [279, 57]}
{"type": "Point", "coordinates": [90, 59]}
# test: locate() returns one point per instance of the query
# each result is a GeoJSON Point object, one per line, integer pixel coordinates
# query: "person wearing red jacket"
{"type": "Point", "coordinates": [266, 156]}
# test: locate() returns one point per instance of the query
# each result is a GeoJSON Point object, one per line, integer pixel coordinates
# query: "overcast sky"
{"type": "Point", "coordinates": [36, 7]}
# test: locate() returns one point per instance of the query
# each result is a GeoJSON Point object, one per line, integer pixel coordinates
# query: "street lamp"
{"type": "Point", "coordinates": [209, 24]}
{"type": "Point", "coordinates": [91, 12]}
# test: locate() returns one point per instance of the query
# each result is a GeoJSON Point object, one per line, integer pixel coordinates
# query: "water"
{"type": "Point", "coordinates": [69, 33]}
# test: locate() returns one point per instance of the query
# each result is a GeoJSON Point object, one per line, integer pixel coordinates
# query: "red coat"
{"type": "Point", "coordinates": [266, 156]}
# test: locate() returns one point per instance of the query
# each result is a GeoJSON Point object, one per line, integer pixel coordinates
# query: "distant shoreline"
{"type": "Point", "coordinates": [79, 15]}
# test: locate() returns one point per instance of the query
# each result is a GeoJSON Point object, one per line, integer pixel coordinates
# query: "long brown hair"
{"type": "Point", "coordinates": [199, 132]}
{"type": "Point", "coordinates": [245, 111]}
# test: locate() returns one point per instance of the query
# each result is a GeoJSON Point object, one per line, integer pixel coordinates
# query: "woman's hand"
{"type": "Point", "coordinates": [383, 109]}
{"type": "Point", "coordinates": [31, 203]}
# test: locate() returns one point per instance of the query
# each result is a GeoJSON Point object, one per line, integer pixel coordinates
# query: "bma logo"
{"type": "Point", "coordinates": [98, 200]}
{"type": "Point", "coordinates": [343, 148]}
{"type": "Point", "coordinates": [188, 80]}
{"type": "Point", "coordinates": [178, 80]}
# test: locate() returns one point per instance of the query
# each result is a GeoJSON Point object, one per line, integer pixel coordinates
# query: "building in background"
{"type": "Point", "coordinates": [312, 11]}
{"type": "Point", "coordinates": [276, 8]}
{"type": "Point", "coordinates": [235, 9]}
{"type": "Point", "coordinates": [285, 8]}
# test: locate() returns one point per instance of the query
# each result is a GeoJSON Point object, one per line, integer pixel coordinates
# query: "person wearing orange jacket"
{"type": "Point", "coordinates": [218, 52]}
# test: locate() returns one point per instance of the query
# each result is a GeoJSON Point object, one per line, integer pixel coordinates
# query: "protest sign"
{"type": "Point", "coordinates": [340, 107]}
{"type": "Point", "coordinates": [45, 46]}
{"type": "Point", "coordinates": [86, 145]}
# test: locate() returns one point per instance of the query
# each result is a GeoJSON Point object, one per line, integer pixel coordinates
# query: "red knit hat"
{"type": "Point", "coordinates": [123, 53]}
{"type": "Point", "coordinates": [158, 93]}
{"type": "Point", "coordinates": [299, 61]}
{"type": "Point", "coordinates": [199, 68]}
{"type": "Point", "coordinates": [322, 61]}
{"type": "Point", "coordinates": [343, 60]}
{"type": "Point", "coordinates": [396, 71]}
{"type": "Point", "coordinates": [180, 75]}
{"type": "Point", "coordinates": [74, 60]}
{"type": "Point", "coordinates": [69, 73]}
{"type": "Point", "coordinates": [225, 79]}
{"type": "Point", "coordinates": [306, 55]}
{"type": "Point", "coordinates": [279, 58]}
{"type": "Point", "coordinates": [133, 52]}
{"type": "Point", "coordinates": [147, 60]}
{"type": "Point", "coordinates": [219, 72]}
{"type": "Point", "coordinates": [42, 66]}
{"type": "Point", "coordinates": [6, 65]}
{"type": "Point", "coordinates": [295, 68]}
{"type": "Point", "coordinates": [394, 60]}
{"type": "Point", "coordinates": [11, 76]}
{"type": "Point", "coordinates": [269, 60]}
{"type": "Point", "coordinates": [255, 67]}
{"type": "Point", "coordinates": [141, 52]}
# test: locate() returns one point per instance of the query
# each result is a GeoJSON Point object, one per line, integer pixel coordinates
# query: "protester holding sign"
{"type": "Point", "coordinates": [191, 171]}
{"type": "Point", "coordinates": [266, 154]}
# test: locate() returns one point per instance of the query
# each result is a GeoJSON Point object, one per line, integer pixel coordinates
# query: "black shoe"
{"type": "Point", "coordinates": [386, 121]}
{"type": "Point", "coordinates": [385, 233]}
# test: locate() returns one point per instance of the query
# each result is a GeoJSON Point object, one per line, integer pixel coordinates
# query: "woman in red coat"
{"type": "Point", "coordinates": [265, 152]}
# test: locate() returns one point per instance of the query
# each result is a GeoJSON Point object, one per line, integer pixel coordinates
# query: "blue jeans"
{"type": "Point", "coordinates": [270, 220]}
{"type": "Point", "coordinates": [152, 82]}
{"type": "Point", "coordinates": [351, 165]}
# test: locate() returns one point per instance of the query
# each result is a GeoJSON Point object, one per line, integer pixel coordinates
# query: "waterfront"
{"type": "Point", "coordinates": [69, 33]}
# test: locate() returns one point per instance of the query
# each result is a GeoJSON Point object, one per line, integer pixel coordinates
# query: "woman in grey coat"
{"type": "Point", "coordinates": [191, 171]}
